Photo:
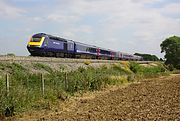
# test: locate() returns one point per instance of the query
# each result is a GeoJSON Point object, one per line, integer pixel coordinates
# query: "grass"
{"type": "Point", "coordinates": [40, 66]}
{"type": "Point", "coordinates": [26, 88]}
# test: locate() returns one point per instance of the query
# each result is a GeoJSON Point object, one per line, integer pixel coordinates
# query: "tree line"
{"type": "Point", "coordinates": [148, 57]}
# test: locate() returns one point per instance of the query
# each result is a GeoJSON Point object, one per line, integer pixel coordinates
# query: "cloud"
{"type": "Point", "coordinates": [120, 21]}
{"type": "Point", "coordinates": [171, 9]}
{"type": "Point", "coordinates": [72, 33]}
{"type": "Point", "coordinates": [61, 18]}
{"type": "Point", "coordinates": [127, 25]}
{"type": "Point", "coordinates": [10, 11]}
{"type": "Point", "coordinates": [146, 1]}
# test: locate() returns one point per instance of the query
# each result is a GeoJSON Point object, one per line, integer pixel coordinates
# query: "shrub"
{"type": "Point", "coordinates": [170, 67]}
{"type": "Point", "coordinates": [134, 67]}
{"type": "Point", "coordinates": [87, 62]}
{"type": "Point", "coordinates": [131, 78]}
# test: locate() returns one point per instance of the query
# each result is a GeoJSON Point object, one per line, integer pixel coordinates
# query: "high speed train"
{"type": "Point", "coordinates": [42, 44]}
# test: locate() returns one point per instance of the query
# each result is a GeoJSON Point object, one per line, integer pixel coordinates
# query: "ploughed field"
{"type": "Point", "coordinates": [153, 99]}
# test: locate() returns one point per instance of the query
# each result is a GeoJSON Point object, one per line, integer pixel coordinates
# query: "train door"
{"type": "Point", "coordinates": [65, 47]}
{"type": "Point", "coordinates": [120, 56]}
{"type": "Point", "coordinates": [45, 43]}
{"type": "Point", "coordinates": [98, 53]}
{"type": "Point", "coordinates": [45, 47]}
{"type": "Point", "coordinates": [70, 48]}
{"type": "Point", "coordinates": [112, 55]}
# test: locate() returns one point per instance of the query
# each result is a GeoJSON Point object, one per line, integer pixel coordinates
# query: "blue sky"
{"type": "Point", "coordinates": [123, 25]}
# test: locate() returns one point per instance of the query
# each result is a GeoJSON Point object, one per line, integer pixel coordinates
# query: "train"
{"type": "Point", "coordinates": [42, 44]}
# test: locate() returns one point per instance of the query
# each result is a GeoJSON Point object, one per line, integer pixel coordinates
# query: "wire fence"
{"type": "Point", "coordinates": [44, 85]}
{"type": "Point", "coordinates": [38, 83]}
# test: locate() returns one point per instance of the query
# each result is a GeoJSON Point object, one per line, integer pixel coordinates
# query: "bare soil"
{"type": "Point", "coordinates": [153, 99]}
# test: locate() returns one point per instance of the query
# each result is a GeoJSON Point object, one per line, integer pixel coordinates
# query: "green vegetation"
{"type": "Point", "coordinates": [40, 66]}
{"type": "Point", "coordinates": [171, 47]}
{"type": "Point", "coordinates": [87, 62]}
{"type": "Point", "coordinates": [26, 92]}
{"type": "Point", "coordinates": [151, 71]}
{"type": "Point", "coordinates": [148, 57]}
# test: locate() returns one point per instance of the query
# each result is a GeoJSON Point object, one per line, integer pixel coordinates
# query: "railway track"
{"type": "Point", "coordinates": [57, 60]}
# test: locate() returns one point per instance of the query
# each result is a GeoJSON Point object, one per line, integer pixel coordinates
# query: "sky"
{"type": "Point", "coordinates": [122, 25]}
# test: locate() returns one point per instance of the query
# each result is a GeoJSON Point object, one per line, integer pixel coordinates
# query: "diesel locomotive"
{"type": "Point", "coordinates": [42, 44]}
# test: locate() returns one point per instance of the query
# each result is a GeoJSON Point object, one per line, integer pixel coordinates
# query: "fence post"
{"type": "Point", "coordinates": [65, 81]}
{"type": "Point", "coordinates": [42, 80]}
{"type": "Point", "coordinates": [7, 84]}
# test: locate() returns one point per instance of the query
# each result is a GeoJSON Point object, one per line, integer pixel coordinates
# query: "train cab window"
{"type": "Point", "coordinates": [36, 39]}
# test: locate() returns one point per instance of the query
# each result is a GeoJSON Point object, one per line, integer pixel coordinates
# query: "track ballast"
{"type": "Point", "coordinates": [57, 60]}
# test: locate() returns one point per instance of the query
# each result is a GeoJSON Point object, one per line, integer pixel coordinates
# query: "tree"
{"type": "Point", "coordinates": [171, 47]}
{"type": "Point", "coordinates": [148, 57]}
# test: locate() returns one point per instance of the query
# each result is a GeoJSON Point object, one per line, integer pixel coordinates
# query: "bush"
{"type": "Point", "coordinates": [87, 62]}
{"type": "Point", "coordinates": [131, 78]}
{"type": "Point", "coordinates": [135, 67]}
{"type": "Point", "coordinates": [170, 67]}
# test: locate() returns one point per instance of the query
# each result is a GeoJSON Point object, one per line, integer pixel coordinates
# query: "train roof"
{"type": "Point", "coordinates": [86, 44]}
{"type": "Point", "coordinates": [50, 36]}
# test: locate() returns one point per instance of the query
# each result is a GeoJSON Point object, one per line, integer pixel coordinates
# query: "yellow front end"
{"type": "Point", "coordinates": [37, 44]}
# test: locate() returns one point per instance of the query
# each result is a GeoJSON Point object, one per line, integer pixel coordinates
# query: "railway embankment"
{"type": "Point", "coordinates": [29, 86]}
